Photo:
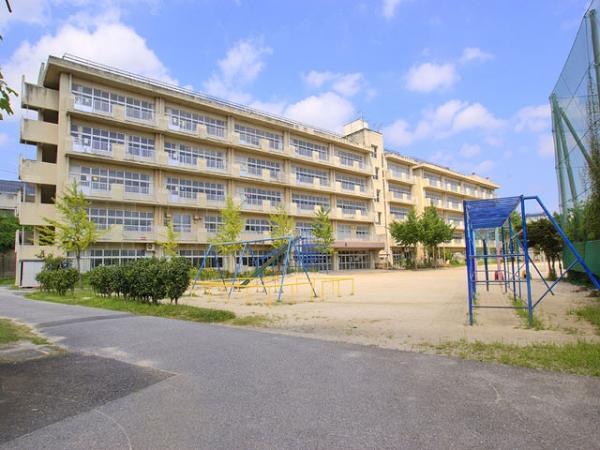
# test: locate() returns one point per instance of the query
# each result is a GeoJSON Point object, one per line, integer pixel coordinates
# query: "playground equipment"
{"type": "Point", "coordinates": [286, 252]}
{"type": "Point", "coordinates": [490, 220]}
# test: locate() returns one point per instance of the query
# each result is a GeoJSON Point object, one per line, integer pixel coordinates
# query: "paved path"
{"type": "Point", "coordinates": [236, 388]}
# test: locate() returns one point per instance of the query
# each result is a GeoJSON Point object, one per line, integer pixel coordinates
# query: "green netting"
{"type": "Point", "coordinates": [590, 251]}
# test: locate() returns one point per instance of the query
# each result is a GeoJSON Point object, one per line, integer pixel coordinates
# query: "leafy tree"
{"type": "Point", "coordinates": [282, 225]}
{"type": "Point", "coordinates": [74, 231]}
{"type": "Point", "coordinates": [322, 231]}
{"type": "Point", "coordinates": [5, 92]}
{"type": "Point", "coordinates": [8, 228]}
{"type": "Point", "coordinates": [434, 231]}
{"type": "Point", "coordinates": [542, 236]}
{"type": "Point", "coordinates": [408, 233]}
{"type": "Point", "coordinates": [170, 243]}
{"type": "Point", "coordinates": [230, 230]}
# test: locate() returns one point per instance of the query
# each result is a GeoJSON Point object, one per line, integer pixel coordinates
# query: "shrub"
{"type": "Point", "coordinates": [59, 281]}
{"type": "Point", "coordinates": [176, 278]}
{"type": "Point", "coordinates": [144, 280]}
{"type": "Point", "coordinates": [100, 279]}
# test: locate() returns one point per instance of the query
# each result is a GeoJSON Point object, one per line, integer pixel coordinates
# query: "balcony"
{"type": "Point", "coordinates": [354, 189]}
{"type": "Point", "coordinates": [315, 157]}
{"type": "Point", "coordinates": [35, 213]}
{"type": "Point", "coordinates": [38, 132]}
{"type": "Point", "coordinates": [188, 128]}
{"type": "Point", "coordinates": [194, 236]}
{"type": "Point", "coordinates": [264, 206]}
{"type": "Point", "coordinates": [241, 170]}
{"type": "Point", "coordinates": [189, 199]}
{"type": "Point", "coordinates": [38, 172]}
{"type": "Point", "coordinates": [438, 203]}
{"type": "Point", "coordinates": [433, 184]}
{"type": "Point", "coordinates": [103, 108]}
{"type": "Point", "coordinates": [364, 168]}
{"type": "Point", "coordinates": [315, 183]}
{"type": "Point", "coordinates": [454, 206]}
{"type": "Point", "coordinates": [29, 252]}
{"type": "Point", "coordinates": [401, 197]}
{"type": "Point", "coordinates": [345, 214]}
{"type": "Point", "coordinates": [118, 233]}
{"type": "Point", "coordinates": [194, 164]}
{"type": "Point", "coordinates": [39, 97]}
{"type": "Point", "coordinates": [115, 192]}
{"type": "Point", "coordinates": [304, 212]}
{"type": "Point", "coordinates": [400, 176]}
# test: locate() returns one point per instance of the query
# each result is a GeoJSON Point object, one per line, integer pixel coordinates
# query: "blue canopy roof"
{"type": "Point", "coordinates": [491, 213]}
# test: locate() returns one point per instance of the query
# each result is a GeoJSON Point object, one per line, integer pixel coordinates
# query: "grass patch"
{"type": "Point", "coordinates": [7, 281]}
{"type": "Point", "coordinates": [536, 324]}
{"type": "Point", "coordinates": [182, 312]}
{"type": "Point", "coordinates": [591, 313]}
{"type": "Point", "coordinates": [13, 332]}
{"type": "Point", "coordinates": [252, 321]}
{"type": "Point", "coordinates": [581, 358]}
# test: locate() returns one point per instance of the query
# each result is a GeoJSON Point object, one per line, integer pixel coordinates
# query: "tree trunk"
{"type": "Point", "coordinates": [78, 259]}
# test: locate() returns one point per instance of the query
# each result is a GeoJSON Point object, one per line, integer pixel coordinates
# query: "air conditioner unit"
{"type": "Point", "coordinates": [197, 217]}
{"type": "Point", "coordinates": [150, 247]}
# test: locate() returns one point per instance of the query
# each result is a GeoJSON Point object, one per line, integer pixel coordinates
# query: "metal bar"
{"type": "Point", "coordinates": [565, 157]}
{"type": "Point", "coordinates": [503, 237]}
{"type": "Point", "coordinates": [541, 276]}
{"type": "Point", "coordinates": [526, 253]}
{"type": "Point", "coordinates": [202, 265]}
{"type": "Point", "coordinates": [238, 267]}
{"type": "Point", "coordinates": [567, 241]}
{"type": "Point", "coordinates": [512, 259]}
{"type": "Point", "coordinates": [469, 260]}
{"type": "Point", "coordinates": [284, 272]}
{"type": "Point", "coordinates": [300, 253]}
{"type": "Point", "coordinates": [555, 282]}
{"type": "Point", "coordinates": [584, 152]}
{"type": "Point", "coordinates": [500, 306]}
{"type": "Point", "coordinates": [595, 48]}
{"type": "Point", "coordinates": [485, 264]}
{"type": "Point", "coordinates": [559, 158]}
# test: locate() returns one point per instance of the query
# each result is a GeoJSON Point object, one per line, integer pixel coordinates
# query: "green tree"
{"type": "Point", "coordinates": [434, 231]}
{"type": "Point", "coordinates": [5, 92]}
{"type": "Point", "coordinates": [230, 230]}
{"type": "Point", "coordinates": [74, 231]}
{"type": "Point", "coordinates": [408, 234]}
{"type": "Point", "coordinates": [322, 231]}
{"type": "Point", "coordinates": [8, 229]}
{"type": "Point", "coordinates": [282, 225]}
{"type": "Point", "coordinates": [170, 243]}
{"type": "Point", "coordinates": [542, 236]}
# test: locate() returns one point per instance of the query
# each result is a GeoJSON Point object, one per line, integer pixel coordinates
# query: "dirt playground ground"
{"type": "Point", "coordinates": [405, 309]}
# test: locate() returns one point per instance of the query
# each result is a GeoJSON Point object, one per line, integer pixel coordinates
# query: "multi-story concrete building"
{"type": "Point", "coordinates": [146, 154]}
{"type": "Point", "coordinates": [9, 197]}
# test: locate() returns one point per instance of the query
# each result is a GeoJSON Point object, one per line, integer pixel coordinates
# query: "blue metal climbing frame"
{"type": "Point", "coordinates": [490, 220]}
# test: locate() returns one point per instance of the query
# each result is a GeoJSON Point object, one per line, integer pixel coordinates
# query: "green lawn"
{"type": "Point", "coordinates": [12, 332]}
{"type": "Point", "coordinates": [7, 281]}
{"type": "Point", "coordinates": [182, 312]}
{"type": "Point", "coordinates": [581, 358]}
{"type": "Point", "coordinates": [591, 313]}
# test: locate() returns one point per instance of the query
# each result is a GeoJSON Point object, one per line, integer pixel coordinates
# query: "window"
{"type": "Point", "coordinates": [308, 175]}
{"type": "Point", "coordinates": [257, 225]}
{"type": "Point", "coordinates": [186, 188]}
{"type": "Point", "coordinates": [350, 183]}
{"type": "Point", "coordinates": [351, 206]}
{"type": "Point", "coordinates": [353, 260]}
{"type": "Point", "coordinates": [196, 256]}
{"type": "Point", "coordinates": [433, 180]}
{"type": "Point", "coordinates": [29, 193]}
{"type": "Point", "coordinates": [304, 229]}
{"type": "Point", "coordinates": [362, 232]}
{"type": "Point", "coordinates": [212, 223]}
{"type": "Point", "coordinates": [252, 136]}
{"type": "Point", "coordinates": [452, 185]}
{"type": "Point", "coordinates": [256, 196]}
{"type": "Point", "coordinates": [377, 196]}
{"type": "Point", "coordinates": [308, 149]}
{"type": "Point", "coordinates": [182, 223]}
{"type": "Point", "coordinates": [344, 231]}
{"type": "Point", "coordinates": [96, 179]}
{"type": "Point", "coordinates": [141, 147]}
{"type": "Point", "coordinates": [374, 151]}
{"type": "Point", "coordinates": [189, 155]}
{"type": "Point", "coordinates": [398, 213]}
{"type": "Point", "coordinates": [131, 220]}
{"type": "Point", "coordinates": [308, 202]}
{"type": "Point", "coordinates": [455, 220]}
{"type": "Point", "coordinates": [433, 199]}
{"type": "Point", "coordinates": [399, 171]}
{"type": "Point", "coordinates": [98, 100]}
{"type": "Point", "coordinates": [454, 202]}
{"type": "Point", "coordinates": [94, 140]}
{"type": "Point", "coordinates": [399, 192]}
{"type": "Point", "coordinates": [378, 218]}
{"type": "Point", "coordinates": [189, 121]}
{"type": "Point", "coordinates": [116, 256]}
{"type": "Point", "coordinates": [349, 158]}
{"type": "Point", "coordinates": [255, 167]}
{"type": "Point", "coordinates": [376, 176]}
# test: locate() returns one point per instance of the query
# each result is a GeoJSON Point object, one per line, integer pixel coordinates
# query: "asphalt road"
{"type": "Point", "coordinates": [236, 388]}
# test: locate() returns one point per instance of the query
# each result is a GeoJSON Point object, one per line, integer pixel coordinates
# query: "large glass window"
{"type": "Point", "coordinates": [182, 223]}
{"type": "Point", "coordinates": [308, 202]}
{"type": "Point", "coordinates": [196, 255]}
{"type": "Point", "coordinates": [212, 223]}
{"type": "Point", "coordinates": [99, 100]}
{"type": "Point", "coordinates": [94, 140]}
{"type": "Point", "coordinates": [351, 206]}
{"type": "Point", "coordinates": [131, 220]}
{"type": "Point", "coordinates": [353, 260]}
{"type": "Point", "coordinates": [398, 213]}
{"type": "Point", "coordinates": [308, 175]}
{"type": "Point", "coordinates": [189, 155]}
{"type": "Point", "coordinates": [308, 149]}
{"type": "Point", "coordinates": [188, 121]}
{"type": "Point", "coordinates": [399, 192]}
{"type": "Point", "coordinates": [256, 196]}
{"type": "Point", "coordinates": [252, 136]}
{"type": "Point", "coordinates": [113, 256]}
{"type": "Point", "coordinates": [186, 188]}
{"type": "Point", "coordinates": [433, 180]}
{"type": "Point", "coordinates": [258, 225]}
{"type": "Point", "coordinates": [255, 167]}
{"type": "Point", "coordinates": [304, 229]}
{"type": "Point", "coordinates": [91, 179]}
{"type": "Point", "coordinates": [349, 158]}
{"type": "Point", "coordinates": [141, 147]}
{"type": "Point", "coordinates": [399, 171]}
{"type": "Point", "coordinates": [349, 183]}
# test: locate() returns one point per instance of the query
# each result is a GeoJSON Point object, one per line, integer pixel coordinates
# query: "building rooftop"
{"type": "Point", "coordinates": [9, 186]}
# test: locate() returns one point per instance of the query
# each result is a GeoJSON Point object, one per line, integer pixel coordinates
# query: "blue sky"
{"type": "Point", "coordinates": [461, 83]}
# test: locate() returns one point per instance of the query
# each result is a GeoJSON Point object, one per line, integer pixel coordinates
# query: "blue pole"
{"type": "Point", "coordinates": [485, 264]}
{"type": "Point", "coordinates": [526, 256]}
{"type": "Point", "coordinates": [202, 265]}
{"type": "Point", "coordinates": [503, 237]}
{"type": "Point", "coordinates": [512, 258]}
{"type": "Point", "coordinates": [469, 260]}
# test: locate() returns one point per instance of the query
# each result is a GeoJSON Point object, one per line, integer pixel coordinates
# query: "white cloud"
{"type": "Point", "coordinates": [545, 145]}
{"type": "Point", "coordinates": [533, 118]}
{"type": "Point", "coordinates": [347, 84]}
{"type": "Point", "coordinates": [389, 8]}
{"type": "Point", "coordinates": [470, 150]}
{"type": "Point", "coordinates": [240, 66]}
{"type": "Point", "coordinates": [474, 54]}
{"type": "Point", "coordinates": [327, 110]}
{"type": "Point", "coordinates": [106, 41]}
{"type": "Point", "coordinates": [398, 133]}
{"type": "Point", "coordinates": [429, 77]}
{"type": "Point", "coordinates": [30, 12]}
{"type": "Point", "coordinates": [484, 166]}
{"type": "Point", "coordinates": [449, 118]}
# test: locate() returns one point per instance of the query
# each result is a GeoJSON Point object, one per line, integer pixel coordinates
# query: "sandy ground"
{"type": "Point", "coordinates": [405, 309]}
